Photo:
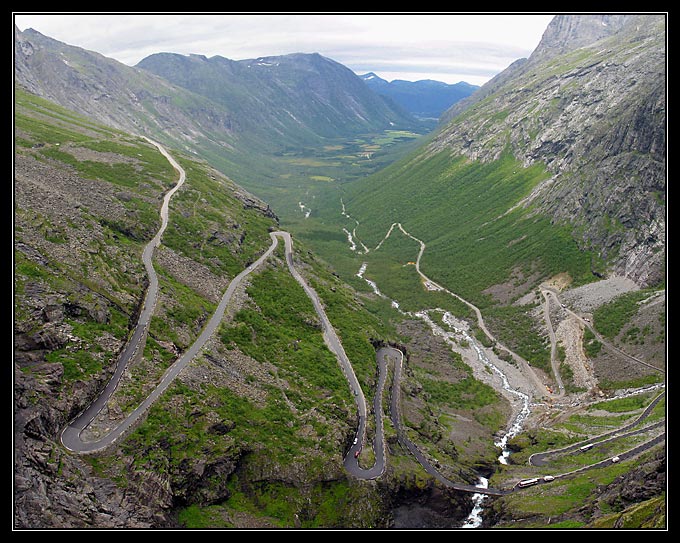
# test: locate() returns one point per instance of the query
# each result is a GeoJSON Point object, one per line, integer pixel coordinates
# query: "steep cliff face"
{"type": "Point", "coordinates": [567, 33]}
{"type": "Point", "coordinates": [590, 104]}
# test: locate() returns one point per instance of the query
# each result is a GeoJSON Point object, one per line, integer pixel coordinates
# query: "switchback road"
{"type": "Point", "coordinates": [527, 370]}
{"type": "Point", "coordinates": [553, 343]}
{"type": "Point", "coordinates": [71, 435]}
{"type": "Point", "coordinates": [541, 459]}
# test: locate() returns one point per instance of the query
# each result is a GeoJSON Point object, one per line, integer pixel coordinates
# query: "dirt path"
{"type": "Point", "coordinates": [553, 342]}
{"type": "Point", "coordinates": [570, 334]}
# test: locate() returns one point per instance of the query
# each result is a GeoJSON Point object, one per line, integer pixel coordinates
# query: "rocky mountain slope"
{"type": "Point", "coordinates": [575, 138]}
{"type": "Point", "coordinates": [589, 104]}
{"type": "Point", "coordinates": [115, 94]}
{"type": "Point", "coordinates": [425, 98]}
{"type": "Point", "coordinates": [86, 200]}
{"type": "Point", "coordinates": [511, 192]}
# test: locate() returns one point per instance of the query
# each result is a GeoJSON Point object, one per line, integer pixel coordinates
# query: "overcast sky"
{"type": "Point", "coordinates": [444, 47]}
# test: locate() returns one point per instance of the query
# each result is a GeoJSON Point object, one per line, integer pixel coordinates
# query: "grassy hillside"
{"type": "Point", "coordinates": [85, 203]}
{"type": "Point", "coordinates": [481, 243]}
{"type": "Point", "coordinates": [464, 211]}
{"type": "Point", "coordinates": [629, 494]}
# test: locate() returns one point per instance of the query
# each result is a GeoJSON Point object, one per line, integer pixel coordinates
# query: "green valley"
{"type": "Point", "coordinates": [306, 308]}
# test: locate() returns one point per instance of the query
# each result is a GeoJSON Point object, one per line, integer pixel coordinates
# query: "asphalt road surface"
{"type": "Point", "coordinates": [71, 435]}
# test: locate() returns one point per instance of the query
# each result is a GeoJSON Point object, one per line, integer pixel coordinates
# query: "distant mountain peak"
{"type": "Point", "coordinates": [370, 75]}
{"type": "Point", "coordinates": [426, 98]}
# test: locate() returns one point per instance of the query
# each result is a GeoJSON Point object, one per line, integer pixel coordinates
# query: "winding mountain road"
{"type": "Point", "coordinates": [553, 342]}
{"type": "Point", "coordinates": [71, 436]}
{"type": "Point", "coordinates": [395, 416]}
{"type": "Point", "coordinates": [527, 370]}
{"type": "Point", "coordinates": [543, 458]}
{"type": "Point", "coordinates": [335, 346]}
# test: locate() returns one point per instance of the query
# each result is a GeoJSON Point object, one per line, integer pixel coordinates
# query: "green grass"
{"type": "Point", "coordinates": [58, 118]}
{"type": "Point", "coordinates": [278, 328]}
{"type": "Point", "coordinates": [456, 206]}
{"type": "Point", "coordinates": [332, 504]}
{"type": "Point", "coordinates": [78, 364]}
{"type": "Point", "coordinates": [392, 268]}
{"type": "Point", "coordinates": [610, 318]}
{"type": "Point", "coordinates": [623, 405]}
{"type": "Point", "coordinates": [566, 524]}
{"type": "Point", "coordinates": [210, 226]}
{"type": "Point", "coordinates": [563, 495]}
{"type": "Point", "coordinates": [171, 434]}
{"type": "Point", "coordinates": [281, 328]}
{"type": "Point", "coordinates": [24, 268]}
{"type": "Point", "coordinates": [518, 331]}
{"type": "Point", "coordinates": [356, 324]}
{"type": "Point", "coordinates": [468, 393]}
{"type": "Point", "coordinates": [649, 514]}
{"type": "Point", "coordinates": [532, 441]}
{"type": "Point", "coordinates": [591, 345]}
{"type": "Point", "coordinates": [197, 517]}
{"type": "Point", "coordinates": [651, 379]}
{"type": "Point", "coordinates": [184, 308]}
{"type": "Point", "coordinates": [121, 174]}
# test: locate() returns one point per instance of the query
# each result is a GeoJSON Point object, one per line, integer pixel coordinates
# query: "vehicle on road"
{"type": "Point", "coordinates": [356, 454]}
{"type": "Point", "coordinates": [355, 441]}
{"type": "Point", "coordinates": [615, 459]}
{"type": "Point", "coordinates": [548, 478]}
{"type": "Point", "coordinates": [586, 447]}
{"type": "Point", "coordinates": [527, 482]}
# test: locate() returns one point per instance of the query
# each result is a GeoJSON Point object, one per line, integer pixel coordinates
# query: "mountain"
{"type": "Point", "coordinates": [546, 184]}
{"type": "Point", "coordinates": [590, 104]}
{"type": "Point", "coordinates": [425, 98]}
{"type": "Point", "coordinates": [227, 108]}
{"type": "Point", "coordinates": [574, 137]}
{"type": "Point", "coordinates": [86, 202]}
{"type": "Point", "coordinates": [115, 94]}
{"type": "Point", "coordinates": [295, 99]}
{"type": "Point", "coordinates": [263, 122]}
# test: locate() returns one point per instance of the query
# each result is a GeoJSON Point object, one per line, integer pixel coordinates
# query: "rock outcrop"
{"type": "Point", "coordinates": [590, 104]}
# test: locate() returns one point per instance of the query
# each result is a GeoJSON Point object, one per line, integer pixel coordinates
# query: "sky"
{"type": "Point", "coordinates": [445, 47]}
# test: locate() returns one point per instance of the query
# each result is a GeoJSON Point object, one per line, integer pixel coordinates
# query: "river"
{"type": "Point", "coordinates": [453, 339]}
